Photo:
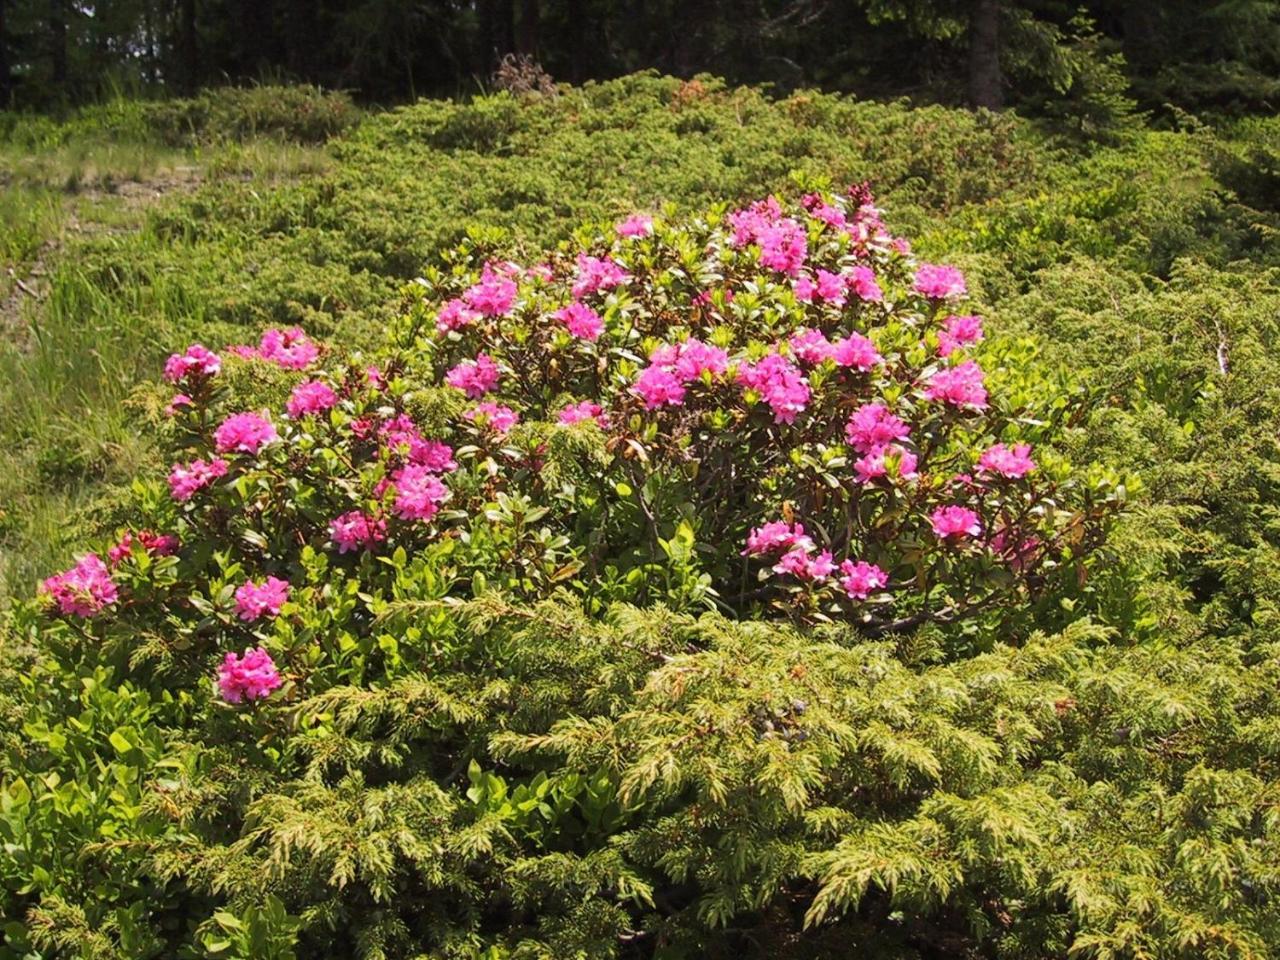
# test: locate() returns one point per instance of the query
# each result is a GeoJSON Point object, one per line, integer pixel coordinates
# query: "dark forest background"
{"type": "Point", "coordinates": [1040, 56]}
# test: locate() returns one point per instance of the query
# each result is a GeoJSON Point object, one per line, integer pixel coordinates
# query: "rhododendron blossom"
{"type": "Point", "coordinates": [474, 377]}
{"type": "Point", "coordinates": [255, 600]}
{"type": "Point", "coordinates": [955, 522]}
{"type": "Point", "coordinates": [355, 530]}
{"type": "Point", "coordinates": [831, 288]}
{"type": "Point", "coordinates": [83, 591]}
{"type": "Point", "coordinates": [862, 281]}
{"type": "Point", "coordinates": [800, 564]}
{"type": "Point", "coordinates": [249, 677]}
{"type": "Point", "coordinates": [695, 358]}
{"type": "Point", "coordinates": [960, 386]}
{"type": "Point", "coordinates": [862, 579]}
{"type": "Point", "coordinates": [186, 479]}
{"type": "Point", "coordinates": [810, 346]}
{"type": "Point", "coordinates": [313, 396]}
{"type": "Point", "coordinates": [197, 363]}
{"type": "Point", "coordinates": [244, 433]}
{"type": "Point", "coordinates": [872, 426]}
{"type": "Point", "coordinates": [584, 410]}
{"type": "Point", "coordinates": [939, 282]}
{"type": "Point", "coordinates": [658, 386]}
{"type": "Point", "coordinates": [493, 416]}
{"type": "Point", "coordinates": [855, 351]}
{"type": "Point", "coordinates": [636, 225]}
{"type": "Point", "coordinates": [581, 321]}
{"type": "Point", "coordinates": [596, 274]}
{"type": "Point", "coordinates": [783, 247]}
{"type": "Point", "coordinates": [401, 438]}
{"type": "Point", "coordinates": [177, 404]}
{"type": "Point", "coordinates": [455, 315]}
{"type": "Point", "coordinates": [158, 545]}
{"type": "Point", "coordinates": [777, 535]}
{"type": "Point", "coordinates": [419, 493]}
{"type": "Point", "coordinates": [876, 464]}
{"type": "Point", "coordinates": [493, 296]}
{"type": "Point", "coordinates": [958, 332]}
{"type": "Point", "coordinates": [779, 383]}
{"type": "Point", "coordinates": [291, 349]}
{"type": "Point", "coordinates": [1008, 463]}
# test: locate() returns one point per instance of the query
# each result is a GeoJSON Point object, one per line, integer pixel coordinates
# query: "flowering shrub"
{"type": "Point", "coordinates": [382, 572]}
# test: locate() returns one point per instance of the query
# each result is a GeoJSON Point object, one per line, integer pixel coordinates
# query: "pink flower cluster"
{"type": "Point", "coordinates": [158, 545]}
{"type": "Point", "coordinates": [492, 416]}
{"type": "Point", "coordinates": [958, 332]}
{"type": "Point", "coordinates": [812, 347]}
{"type": "Point", "coordinates": [596, 274]}
{"type": "Point", "coordinates": [782, 241]}
{"type": "Point", "coordinates": [355, 530]}
{"type": "Point", "coordinates": [960, 386]}
{"type": "Point", "coordinates": [828, 286]}
{"type": "Point", "coordinates": [244, 433]}
{"type": "Point", "coordinates": [401, 438]}
{"type": "Point", "coordinates": [197, 363]}
{"type": "Point", "coordinates": [291, 349]}
{"type": "Point", "coordinates": [862, 579]}
{"type": "Point", "coordinates": [313, 396]}
{"type": "Point", "coordinates": [249, 677]}
{"type": "Point", "coordinates": [454, 315]}
{"type": "Point", "coordinates": [673, 366]}
{"type": "Point", "coordinates": [873, 426]}
{"type": "Point", "coordinates": [83, 591]}
{"type": "Point", "coordinates": [255, 600]}
{"type": "Point", "coordinates": [797, 559]}
{"type": "Point", "coordinates": [493, 296]}
{"type": "Point", "coordinates": [862, 281]}
{"type": "Point", "coordinates": [636, 225]}
{"type": "Point", "coordinates": [778, 382]}
{"type": "Point", "coordinates": [419, 493]}
{"type": "Point", "coordinates": [581, 321]}
{"type": "Point", "coordinates": [581, 411]}
{"type": "Point", "coordinates": [186, 479]}
{"type": "Point", "coordinates": [891, 461]}
{"type": "Point", "coordinates": [938, 282]}
{"type": "Point", "coordinates": [475, 377]}
{"type": "Point", "coordinates": [1005, 462]}
{"type": "Point", "coordinates": [955, 522]}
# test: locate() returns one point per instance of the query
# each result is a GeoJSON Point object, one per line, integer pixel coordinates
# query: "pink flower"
{"type": "Point", "coordinates": [939, 283]}
{"type": "Point", "coordinates": [862, 281]}
{"type": "Point", "coordinates": [855, 351]}
{"type": "Point", "coordinates": [83, 591]}
{"type": "Point", "coordinates": [777, 535]}
{"type": "Point", "coordinates": [636, 225]}
{"type": "Point", "coordinates": [872, 426]}
{"type": "Point", "coordinates": [862, 579]}
{"type": "Point", "coordinates": [419, 493]}
{"type": "Point", "coordinates": [401, 437]}
{"type": "Point", "coordinates": [958, 332]}
{"type": "Point", "coordinates": [197, 363]}
{"type": "Point", "coordinates": [290, 349]}
{"type": "Point", "coordinates": [658, 386]}
{"type": "Point", "coordinates": [474, 377]}
{"type": "Point", "coordinates": [1008, 463]}
{"type": "Point", "coordinates": [694, 358]}
{"type": "Point", "coordinates": [494, 416]}
{"type": "Point", "coordinates": [597, 273]}
{"type": "Point", "coordinates": [584, 410]}
{"type": "Point", "coordinates": [783, 247]}
{"type": "Point", "coordinates": [158, 545]}
{"type": "Point", "coordinates": [250, 677]}
{"type": "Point", "coordinates": [375, 378]}
{"type": "Point", "coordinates": [960, 386]}
{"type": "Point", "coordinates": [244, 433]}
{"type": "Point", "coordinates": [798, 563]}
{"type": "Point", "coordinates": [254, 600]}
{"type": "Point", "coordinates": [747, 224]}
{"type": "Point", "coordinates": [780, 383]}
{"type": "Point", "coordinates": [310, 397]}
{"type": "Point", "coordinates": [831, 288]}
{"type": "Point", "coordinates": [823, 211]}
{"type": "Point", "coordinates": [1018, 553]}
{"type": "Point", "coordinates": [179, 401]}
{"type": "Point", "coordinates": [581, 321]}
{"type": "Point", "coordinates": [804, 288]}
{"type": "Point", "coordinates": [185, 480]}
{"type": "Point", "coordinates": [955, 522]}
{"type": "Point", "coordinates": [355, 530]}
{"type": "Point", "coordinates": [875, 464]}
{"type": "Point", "coordinates": [454, 315]}
{"type": "Point", "coordinates": [810, 346]}
{"type": "Point", "coordinates": [493, 296]}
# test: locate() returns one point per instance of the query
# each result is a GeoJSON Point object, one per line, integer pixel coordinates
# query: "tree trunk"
{"type": "Point", "coordinates": [527, 42]}
{"type": "Point", "coordinates": [187, 46]}
{"type": "Point", "coordinates": [58, 43]}
{"type": "Point", "coordinates": [986, 86]}
{"type": "Point", "coordinates": [6, 78]}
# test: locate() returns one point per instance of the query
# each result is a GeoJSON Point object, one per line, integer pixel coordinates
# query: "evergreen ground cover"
{"type": "Point", "coordinates": [520, 773]}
